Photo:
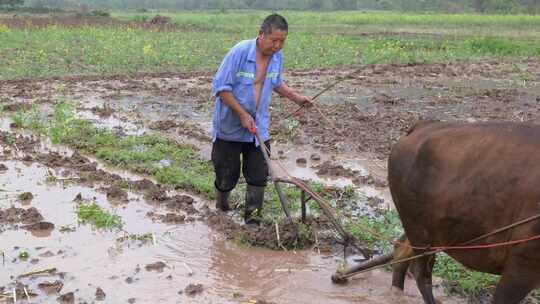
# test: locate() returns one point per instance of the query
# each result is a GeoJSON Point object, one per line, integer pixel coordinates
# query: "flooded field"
{"type": "Point", "coordinates": [172, 246]}
{"type": "Point", "coordinates": [163, 253]}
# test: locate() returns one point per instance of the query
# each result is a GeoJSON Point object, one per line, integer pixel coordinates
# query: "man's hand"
{"type": "Point", "coordinates": [304, 101]}
{"type": "Point", "coordinates": [248, 122]}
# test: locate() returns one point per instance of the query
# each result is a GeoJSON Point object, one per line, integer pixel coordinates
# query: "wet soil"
{"type": "Point", "coordinates": [346, 145]}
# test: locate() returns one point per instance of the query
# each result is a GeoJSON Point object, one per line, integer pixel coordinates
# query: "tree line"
{"type": "Point", "coordinates": [451, 6]}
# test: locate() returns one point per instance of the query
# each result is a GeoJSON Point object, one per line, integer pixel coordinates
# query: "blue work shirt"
{"type": "Point", "coordinates": [237, 75]}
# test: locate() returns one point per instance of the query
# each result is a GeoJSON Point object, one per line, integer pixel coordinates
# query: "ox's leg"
{"type": "Point", "coordinates": [399, 272]}
{"type": "Point", "coordinates": [402, 250]}
{"type": "Point", "coordinates": [422, 269]}
{"type": "Point", "coordinates": [514, 286]}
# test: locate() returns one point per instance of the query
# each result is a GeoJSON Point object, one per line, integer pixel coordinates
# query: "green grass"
{"type": "Point", "coordinates": [458, 279]}
{"type": "Point", "coordinates": [316, 40]}
{"type": "Point", "coordinates": [386, 224]}
{"type": "Point", "coordinates": [93, 214]}
{"type": "Point", "coordinates": [169, 162]}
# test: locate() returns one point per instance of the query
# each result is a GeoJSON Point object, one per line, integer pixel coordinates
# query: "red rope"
{"type": "Point", "coordinates": [481, 246]}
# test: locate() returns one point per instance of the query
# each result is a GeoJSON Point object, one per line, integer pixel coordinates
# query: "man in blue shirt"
{"type": "Point", "coordinates": [243, 88]}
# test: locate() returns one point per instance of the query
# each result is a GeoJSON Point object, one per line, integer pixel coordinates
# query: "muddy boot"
{"type": "Point", "coordinates": [254, 202]}
{"type": "Point", "coordinates": [222, 201]}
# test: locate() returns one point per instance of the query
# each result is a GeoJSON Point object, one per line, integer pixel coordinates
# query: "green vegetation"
{"type": "Point", "coordinates": [93, 214]}
{"type": "Point", "coordinates": [24, 255]}
{"type": "Point", "coordinates": [143, 238]}
{"type": "Point", "coordinates": [316, 40]}
{"type": "Point", "coordinates": [458, 279]}
{"type": "Point", "coordinates": [530, 6]}
{"type": "Point", "coordinates": [384, 227]}
{"type": "Point", "coordinates": [26, 196]}
{"type": "Point", "coordinates": [169, 162]}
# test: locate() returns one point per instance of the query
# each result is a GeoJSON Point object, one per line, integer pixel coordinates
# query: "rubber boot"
{"type": "Point", "coordinates": [222, 200]}
{"type": "Point", "coordinates": [254, 202]}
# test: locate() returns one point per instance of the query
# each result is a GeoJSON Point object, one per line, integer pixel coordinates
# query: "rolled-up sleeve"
{"type": "Point", "coordinates": [226, 74]}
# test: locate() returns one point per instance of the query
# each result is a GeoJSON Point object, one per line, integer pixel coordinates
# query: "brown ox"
{"type": "Point", "coordinates": [453, 182]}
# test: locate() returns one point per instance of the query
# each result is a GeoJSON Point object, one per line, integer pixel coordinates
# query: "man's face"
{"type": "Point", "coordinates": [273, 42]}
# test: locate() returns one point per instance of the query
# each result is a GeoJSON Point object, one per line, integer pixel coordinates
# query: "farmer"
{"type": "Point", "coordinates": [243, 88]}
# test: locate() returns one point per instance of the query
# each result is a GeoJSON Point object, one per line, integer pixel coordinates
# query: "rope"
{"type": "Point", "coordinates": [465, 246]}
{"type": "Point", "coordinates": [437, 249]}
{"type": "Point", "coordinates": [339, 79]}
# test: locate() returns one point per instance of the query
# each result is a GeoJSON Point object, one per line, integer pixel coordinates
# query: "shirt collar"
{"type": "Point", "coordinates": [252, 55]}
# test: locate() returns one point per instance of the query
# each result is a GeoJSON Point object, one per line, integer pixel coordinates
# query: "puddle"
{"type": "Point", "coordinates": [86, 258]}
{"type": "Point", "coordinates": [286, 162]}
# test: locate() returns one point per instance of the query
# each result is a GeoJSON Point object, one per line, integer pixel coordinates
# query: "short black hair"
{"type": "Point", "coordinates": [274, 21]}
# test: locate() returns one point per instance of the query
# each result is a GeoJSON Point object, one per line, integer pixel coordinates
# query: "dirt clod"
{"type": "Point", "coordinates": [51, 287]}
{"type": "Point", "coordinates": [68, 298]}
{"type": "Point", "coordinates": [301, 162]}
{"type": "Point", "coordinates": [163, 125]}
{"type": "Point", "coordinates": [39, 226]}
{"type": "Point", "coordinates": [173, 218]}
{"type": "Point", "coordinates": [116, 194]}
{"type": "Point", "coordinates": [157, 266]}
{"type": "Point", "coordinates": [14, 215]}
{"type": "Point", "coordinates": [100, 294]}
{"type": "Point", "coordinates": [193, 289]}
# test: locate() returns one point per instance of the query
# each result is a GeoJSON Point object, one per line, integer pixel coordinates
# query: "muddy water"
{"type": "Point", "coordinates": [86, 258]}
{"type": "Point", "coordinates": [285, 156]}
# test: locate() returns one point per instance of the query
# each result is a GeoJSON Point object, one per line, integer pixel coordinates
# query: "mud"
{"type": "Point", "coordinates": [330, 169]}
{"type": "Point", "coordinates": [104, 112]}
{"type": "Point", "coordinates": [193, 289]}
{"type": "Point", "coordinates": [68, 298]}
{"type": "Point", "coordinates": [157, 266]}
{"type": "Point", "coordinates": [346, 145]}
{"type": "Point", "coordinates": [100, 294]}
{"type": "Point", "coordinates": [76, 20]}
{"type": "Point", "coordinates": [116, 193]}
{"type": "Point", "coordinates": [163, 125]}
{"type": "Point", "coordinates": [15, 215]}
{"type": "Point", "coordinates": [51, 287]}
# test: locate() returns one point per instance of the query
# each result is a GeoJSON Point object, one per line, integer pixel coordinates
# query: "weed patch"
{"type": "Point", "coordinates": [93, 214]}
{"type": "Point", "coordinates": [169, 162]}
